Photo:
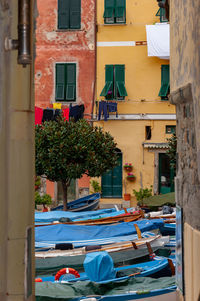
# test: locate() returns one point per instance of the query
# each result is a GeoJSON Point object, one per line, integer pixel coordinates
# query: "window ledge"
{"type": "Point", "coordinates": [68, 30]}
{"type": "Point", "coordinates": [113, 24]}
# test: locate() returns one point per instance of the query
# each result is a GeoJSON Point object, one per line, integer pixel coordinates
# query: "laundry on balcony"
{"type": "Point", "coordinates": [158, 40]}
{"type": "Point", "coordinates": [106, 107]}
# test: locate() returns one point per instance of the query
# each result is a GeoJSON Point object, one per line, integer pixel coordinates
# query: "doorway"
{"type": "Point", "coordinates": [111, 181]}
{"type": "Point", "coordinates": [166, 174]}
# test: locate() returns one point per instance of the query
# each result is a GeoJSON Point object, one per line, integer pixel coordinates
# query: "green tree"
{"type": "Point", "coordinates": [171, 151]}
{"type": "Point", "coordinates": [68, 150]}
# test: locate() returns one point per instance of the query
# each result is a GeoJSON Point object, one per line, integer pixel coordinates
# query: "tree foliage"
{"type": "Point", "coordinates": [172, 149]}
{"type": "Point", "coordinates": [68, 150]}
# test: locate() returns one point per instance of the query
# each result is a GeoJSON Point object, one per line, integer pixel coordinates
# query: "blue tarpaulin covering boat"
{"type": "Point", "coordinates": [134, 288]}
{"type": "Point", "coordinates": [52, 216]}
{"type": "Point", "coordinates": [50, 235]}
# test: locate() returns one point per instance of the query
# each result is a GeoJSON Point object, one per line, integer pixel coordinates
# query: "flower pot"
{"type": "Point", "coordinates": [130, 178]}
{"type": "Point", "coordinates": [127, 196]}
{"type": "Point", "coordinates": [128, 168]}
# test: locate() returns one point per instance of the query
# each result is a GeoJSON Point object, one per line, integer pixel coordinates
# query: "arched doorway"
{"type": "Point", "coordinates": [111, 181]}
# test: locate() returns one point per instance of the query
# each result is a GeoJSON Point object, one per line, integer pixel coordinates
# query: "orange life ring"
{"type": "Point", "coordinates": [66, 271]}
{"type": "Point", "coordinates": [38, 280]}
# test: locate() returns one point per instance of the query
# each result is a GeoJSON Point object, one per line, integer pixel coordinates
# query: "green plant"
{"type": "Point", "coordinates": [95, 186]}
{"type": "Point", "coordinates": [68, 150]}
{"type": "Point", "coordinates": [142, 194]}
{"type": "Point", "coordinates": [38, 198]}
{"type": "Point", "coordinates": [171, 151]}
{"type": "Point", "coordinates": [45, 199]}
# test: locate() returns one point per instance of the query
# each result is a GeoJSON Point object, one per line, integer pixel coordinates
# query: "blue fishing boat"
{"type": "Point", "coordinates": [99, 267]}
{"type": "Point", "coordinates": [168, 229]}
{"type": "Point", "coordinates": [86, 203]}
{"type": "Point", "coordinates": [49, 236]}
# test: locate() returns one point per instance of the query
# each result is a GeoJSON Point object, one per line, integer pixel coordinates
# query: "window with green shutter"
{"type": "Point", "coordinates": [162, 14]}
{"type": "Point", "coordinates": [69, 14]}
{"type": "Point", "coordinates": [114, 11]}
{"type": "Point", "coordinates": [165, 82]}
{"type": "Point", "coordinates": [114, 82]}
{"type": "Point", "coordinates": [65, 82]}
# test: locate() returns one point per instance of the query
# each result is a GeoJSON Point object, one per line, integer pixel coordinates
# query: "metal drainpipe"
{"type": "Point", "coordinates": [95, 50]}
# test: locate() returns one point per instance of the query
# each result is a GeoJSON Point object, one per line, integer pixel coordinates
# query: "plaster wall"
{"type": "Point", "coordinates": [185, 59]}
{"type": "Point", "coordinates": [54, 46]}
{"type": "Point", "coordinates": [129, 136]}
{"type": "Point", "coordinates": [142, 82]}
{"type": "Point", "coordinates": [185, 94]}
{"type": "Point", "coordinates": [16, 161]}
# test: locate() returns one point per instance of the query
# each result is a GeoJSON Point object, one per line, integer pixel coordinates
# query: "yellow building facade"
{"type": "Point", "coordinates": [143, 121]}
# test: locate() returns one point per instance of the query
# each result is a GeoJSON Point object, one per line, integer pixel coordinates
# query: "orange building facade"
{"type": "Point", "coordinates": [65, 38]}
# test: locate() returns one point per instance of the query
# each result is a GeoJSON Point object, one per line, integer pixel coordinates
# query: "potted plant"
{"type": "Point", "coordinates": [142, 194]}
{"type": "Point", "coordinates": [130, 176]}
{"type": "Point", "coordinates": [95, 186]}
{"type": "Point", "coordinates": [128, 166]}
{"type": "Point", "coordinates": [42, 201]}
{"type": "Point", "coordinates": [37, 182]}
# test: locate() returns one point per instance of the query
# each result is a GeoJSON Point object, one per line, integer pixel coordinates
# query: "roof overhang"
{"type": "Point", "coordinates": [158, 40]}
{"type": "Point", "coordinates": [155, 145]}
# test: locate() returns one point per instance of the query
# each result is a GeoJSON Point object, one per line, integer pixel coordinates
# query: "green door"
{"type": "Point", "coordinates": [166, 175]}
{"type": "Point", "coordinates": [111, 181]}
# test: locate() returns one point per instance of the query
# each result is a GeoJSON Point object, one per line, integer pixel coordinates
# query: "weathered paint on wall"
{"type": "Point", "coordinates": [185, 75]}
{"type": "Point", "coordinates": [54, 46]}
{"type": "Point", "coordinates": [142, 81]}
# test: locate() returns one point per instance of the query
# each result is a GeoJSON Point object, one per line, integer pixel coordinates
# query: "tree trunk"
{"type": "Point", "coordinates": [64, 187]}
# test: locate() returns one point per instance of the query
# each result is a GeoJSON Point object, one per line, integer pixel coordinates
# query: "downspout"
{"type": "Point", "coordinates": [95, 59]}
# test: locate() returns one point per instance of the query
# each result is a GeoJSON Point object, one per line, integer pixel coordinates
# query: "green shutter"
{"type": "Point", "coordinates": [75, 14]}
{"type": "Point", "coordinates": [106, 184]}
{"type": "Point", "coordinates": [109, 8]}
{"type": "Point", "coordinates": [63, 14]}
{"type": "Point", "coordinates": [120, 9]}
{"type": "Point", "coordinates": [111, 181]}
{"type": "Point", "coordinates": [165, 82]}
{"type": "Point", "coordinates": [71, 82]}
{"type": "Point", "coordinates": [106, 88]}
{"type": "Point", "coordinates": [60, 81]}
{"type": "Point", "coordinates": [162, 14]}
{"type": "Point", "coordinates": [120, 81]}
{"type": "Point", "coordinates": [117, 178]}
{"type": "Point", "coordinates": [108, 81]}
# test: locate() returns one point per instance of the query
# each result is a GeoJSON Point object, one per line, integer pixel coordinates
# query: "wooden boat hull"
{"type": "Point", "coordinates": [49, 261]}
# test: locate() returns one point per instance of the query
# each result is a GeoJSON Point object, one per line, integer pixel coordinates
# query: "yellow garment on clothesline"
{"type": "Point", "coordinates": [57, 105]}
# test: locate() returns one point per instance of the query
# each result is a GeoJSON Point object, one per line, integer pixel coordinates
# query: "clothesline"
{"type": "Point", "coordinates": [50, 114]}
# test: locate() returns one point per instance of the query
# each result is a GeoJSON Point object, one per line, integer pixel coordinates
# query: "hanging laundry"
{"type": "Point", "coordinates": [57, 113]}
{"type": "Point", "coordinates": [57, 105]}
{"type": "Point", "coordinates": [66, 114]}
{"type": "Point", "coordinates": [103, 109]}
{"type": "Point", "coordinates": [76, 112]}
{"type": "Point", "coordinates": [112, 107]}
{"type": "Point", "coordinates": [48, 115]}
{"type": "Point", "coordinates": [38, 115]}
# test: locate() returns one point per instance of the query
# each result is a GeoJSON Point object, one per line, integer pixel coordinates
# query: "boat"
{"type": "Point", "coordinates": [168, 229]}
{"type": "Point", "coordinates": [82, 235]}
{"type": "Point", "coordinates": [125, 217]}
{"type": "Point", "coordinates": [86, 203]}
{"type": "Point", "coordinates": [125, 252]}
{"type": "Point", "coordinates": [55, 216]}
{"type": "Point", "coordinates": [99, 267]}
{"type": "Point", "coordinates": [134, 288]}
